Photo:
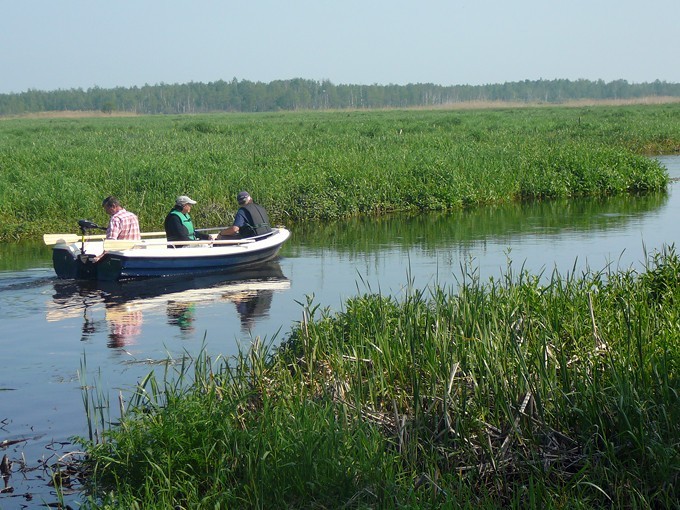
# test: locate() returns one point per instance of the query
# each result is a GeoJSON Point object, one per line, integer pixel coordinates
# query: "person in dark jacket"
{"type": "Point", "coordinates": [178, 224]}
{"type": "Point", "coordinates": [251, 219]}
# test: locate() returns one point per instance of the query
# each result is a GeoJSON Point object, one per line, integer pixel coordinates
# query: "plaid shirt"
{"type": "Point", "coordinates": [123, 225]}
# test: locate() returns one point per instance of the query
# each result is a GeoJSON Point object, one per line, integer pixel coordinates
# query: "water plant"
{"type": "Point", "coordinates": [324, 166]}
{"type": "Point", "coordinates": [525, 391]}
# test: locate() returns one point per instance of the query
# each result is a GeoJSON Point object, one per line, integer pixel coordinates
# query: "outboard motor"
{"type": "Point", "coordinates": [86, 225]}
{"type": "Point", "coordinates": [86, 269]}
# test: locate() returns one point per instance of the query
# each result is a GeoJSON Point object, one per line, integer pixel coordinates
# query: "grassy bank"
{"type": "Point", "coordinates": [521, 392]}
{"type": "Point", "coordinates": [334, 165]}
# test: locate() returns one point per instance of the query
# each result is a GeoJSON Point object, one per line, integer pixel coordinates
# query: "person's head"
{"type": "Point", "coordinates": [111, 205]}
{"type": "Point", "coordinates": [243, 198]}
{"type": "Point", "coordinates": [184, 203]}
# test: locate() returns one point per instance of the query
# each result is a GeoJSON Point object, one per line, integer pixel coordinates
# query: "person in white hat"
{"type": "Point", "coordinates": [178, 224]}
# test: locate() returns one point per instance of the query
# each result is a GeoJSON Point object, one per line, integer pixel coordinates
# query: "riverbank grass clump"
{"type": "Point", "coordinates": [308, 166]}
{"type": "Point", "coordinates": [521, 392]}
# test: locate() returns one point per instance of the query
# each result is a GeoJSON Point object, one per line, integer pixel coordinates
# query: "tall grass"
{"type": "Point", "coordinates": [332, 165]}
{"type": "Point", "coordinates": [519, 392]}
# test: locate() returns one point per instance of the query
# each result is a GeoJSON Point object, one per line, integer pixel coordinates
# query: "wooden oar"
{"type": "Point", "coordinates": [51, 239]}
{"type": "Point", "coordinates": [117, 245]}
{"type": "Point", "coordinates": [209, 229]}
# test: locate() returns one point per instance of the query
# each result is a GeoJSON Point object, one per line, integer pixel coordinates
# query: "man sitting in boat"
{"type": "Point", "coordinates": [251, 219]}
{"type": "Point", "coordinates": [123, 224]}
{"type": "Point", "coordinates": [178, 224]}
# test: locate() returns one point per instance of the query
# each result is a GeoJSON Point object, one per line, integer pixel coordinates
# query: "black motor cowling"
{"type": "Point", "coordinates": [86, 225]}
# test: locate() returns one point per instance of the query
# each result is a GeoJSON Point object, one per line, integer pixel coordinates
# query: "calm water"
{"type": "Point", "coordinates": [50, 327]}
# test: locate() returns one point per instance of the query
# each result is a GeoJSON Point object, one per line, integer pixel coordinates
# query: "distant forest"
{"type": "Point", "coordinates": [301, 94]}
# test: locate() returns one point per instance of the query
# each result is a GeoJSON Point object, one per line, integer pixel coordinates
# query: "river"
{"type": "Point", "coordinates": [58, 333]}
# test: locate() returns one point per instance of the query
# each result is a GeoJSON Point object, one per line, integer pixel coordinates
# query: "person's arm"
{"type": "Point", "coordinates": [113, 230]}
{"type": "Point", "coordinates": [239, 221]}
{"type": "Point", "coordinates": [229, 231]}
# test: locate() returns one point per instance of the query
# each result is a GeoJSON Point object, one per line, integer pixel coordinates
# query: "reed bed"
{"type": "Point", "coordinates": [324, 166]}
{"type": "Point", "coordinates": [525, 391]}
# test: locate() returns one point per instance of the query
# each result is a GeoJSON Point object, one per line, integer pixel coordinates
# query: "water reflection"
{"type": "Point", "coordinates": [125, 325]}
{"type": "Point", "coordinates": [24, 255]}
{"type": "Point", "coordinates": [464, 229]}
{"type": "Point", "coordinates": [125, 303]}
{"type": "Point", "coordinates": [182, 314]}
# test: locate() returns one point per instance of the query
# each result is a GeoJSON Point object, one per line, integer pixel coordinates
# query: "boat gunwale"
{"type": "Point", "coordinates": [161, 248]}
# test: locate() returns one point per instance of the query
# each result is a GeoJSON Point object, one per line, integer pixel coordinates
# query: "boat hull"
{"type": "Point", "coordinates": [116, 267]}
{"type": "Point", "coordinates": [74, 261]}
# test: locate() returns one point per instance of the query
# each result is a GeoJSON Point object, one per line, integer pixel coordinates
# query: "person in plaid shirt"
{"type": "Point", "coordinates": [123, 224]}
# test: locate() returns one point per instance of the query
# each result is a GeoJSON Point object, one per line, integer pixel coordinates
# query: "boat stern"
{"type": "Point", "coordinates": [70, 263]}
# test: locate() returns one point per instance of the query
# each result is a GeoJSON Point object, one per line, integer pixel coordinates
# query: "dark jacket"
{"type": "Point", "coordinates": [178, 227]}
{"type": "Point", "coordinates": [257, 221]}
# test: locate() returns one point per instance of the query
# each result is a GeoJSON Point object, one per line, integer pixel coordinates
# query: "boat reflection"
{"type": "Point", "coordinates": [125, 303]}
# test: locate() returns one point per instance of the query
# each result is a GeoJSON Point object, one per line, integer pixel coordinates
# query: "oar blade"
{"type": "Point", "coordinates": [51, 239]}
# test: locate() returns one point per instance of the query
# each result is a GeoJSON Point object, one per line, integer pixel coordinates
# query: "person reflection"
{"type": "Point", "coordinates": [125, 325]}
{"type": "Point", "coordinates": [251, 306]}
{"type": "Point", "coordinates": [182, 315]}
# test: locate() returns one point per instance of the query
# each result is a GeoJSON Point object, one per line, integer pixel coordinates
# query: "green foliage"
{"type": "Point", "coordinates": [322, 166]}
{"type": "Point", "coordinates": [521, 392]}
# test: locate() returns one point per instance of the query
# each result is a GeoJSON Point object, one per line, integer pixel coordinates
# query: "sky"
{"type": "Point", "coordinates": [80, 44]}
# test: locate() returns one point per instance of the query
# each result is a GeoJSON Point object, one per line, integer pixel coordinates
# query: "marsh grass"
{"type": "Point", "coordinates": [95, 403]}
{"type": "Point", "coordinates": [324, 166]}
{"type": "Point", "coordinates": [526, 391]}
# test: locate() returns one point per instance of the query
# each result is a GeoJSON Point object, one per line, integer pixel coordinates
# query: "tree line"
{"type": "Point", "coordinates": [302, 94]}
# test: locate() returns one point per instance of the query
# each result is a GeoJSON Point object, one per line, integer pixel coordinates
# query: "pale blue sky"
{"type": "Point", "coordinates": [63, 44]}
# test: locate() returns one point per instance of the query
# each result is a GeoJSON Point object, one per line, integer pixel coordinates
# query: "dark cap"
{"type": "Point", "coordinates": [242, 197]}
